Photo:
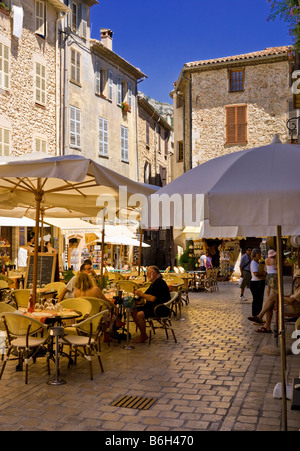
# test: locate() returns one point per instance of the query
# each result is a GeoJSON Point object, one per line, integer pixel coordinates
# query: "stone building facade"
{"type": "Point", "coordinates": [229, 104]}
{"type": "Point", "coordinates": [96, 85]}
{"type": "Point", "coordinates": [28, 78]}
{"type": "Point", "coordinates": [154, 145]}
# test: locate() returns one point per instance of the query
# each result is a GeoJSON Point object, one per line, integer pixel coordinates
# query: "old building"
{"type": "Point", "coordinates": [29, 92]}
{"type": "Point", "coordinates": [228, 104]}
{"type": "Point", "coordinates": [154, 144]}
{"type": "Point", "coordinates": [99, 93]}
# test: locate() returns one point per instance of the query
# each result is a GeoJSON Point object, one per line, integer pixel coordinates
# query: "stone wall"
{"type": "Point", "coordinates": [266, 95]}
{"type": "Point", "coordinates": [18, 110]}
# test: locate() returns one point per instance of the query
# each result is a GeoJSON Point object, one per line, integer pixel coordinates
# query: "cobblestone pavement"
{"type": "Point", "coordinates": [215, 378]}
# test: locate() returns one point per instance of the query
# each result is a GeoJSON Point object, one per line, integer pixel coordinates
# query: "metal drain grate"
{"type": "Point", "coordinates": [134, 402]}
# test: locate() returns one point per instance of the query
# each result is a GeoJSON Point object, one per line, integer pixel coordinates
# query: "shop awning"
{"type": "Point", "coordinates": [75, 225]}
{"type": "Point", "coordinates": [16, 222]}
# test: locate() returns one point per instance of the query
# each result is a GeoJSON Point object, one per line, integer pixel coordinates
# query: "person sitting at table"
{"type": "Point", "coordinates": [156, 294]}
{"type": "Point", "coordinates": [292, 306]}
{"type": "Point", "coordinates": [68, 291]}
{"type": "Point", "coordinates": [49, 248]}
{"type": "Point", "coordinates": [85, 286]}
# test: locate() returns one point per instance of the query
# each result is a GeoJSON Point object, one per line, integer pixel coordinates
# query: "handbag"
{"type": "Point", "coordinates": [240, 281]}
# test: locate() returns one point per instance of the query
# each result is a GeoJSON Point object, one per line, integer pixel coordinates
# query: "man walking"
{"type": "Point", "coordinates": [245, 272]}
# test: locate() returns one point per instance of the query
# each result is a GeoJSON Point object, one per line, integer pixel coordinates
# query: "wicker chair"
{"type": "Point", "coordinates": [21, 334]}
{"type": "Point", "coordinates": [162, 317]}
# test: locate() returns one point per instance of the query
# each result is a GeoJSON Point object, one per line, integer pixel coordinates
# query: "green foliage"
{"type": "Point", "coordinates": [68, 275]}
{"type": "Point", "coordinates": [289, 12]}
{"type": "Point", "coordinates": [186, 261]}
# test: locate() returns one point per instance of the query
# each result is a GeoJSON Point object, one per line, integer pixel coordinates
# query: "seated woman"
{"type": "Point", "coordinates": [292, 306]}
{"type": "Point", "coordinates": [86, 286]}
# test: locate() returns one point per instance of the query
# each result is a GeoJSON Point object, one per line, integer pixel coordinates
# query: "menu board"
{"type": "Point", "coordinates": [45, 269]}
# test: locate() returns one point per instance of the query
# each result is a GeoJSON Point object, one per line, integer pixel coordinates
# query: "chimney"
{"type": "Point", "coordinates": [106, 37]}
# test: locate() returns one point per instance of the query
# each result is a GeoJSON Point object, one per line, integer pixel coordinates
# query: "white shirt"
{"type": "Point", "coordinates": [22, 257]}
{"type": "Point", "coordinates": [254, 268]}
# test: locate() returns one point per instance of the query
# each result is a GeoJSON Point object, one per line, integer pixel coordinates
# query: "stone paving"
{"type": "Point", "coordinates": [214, 379]}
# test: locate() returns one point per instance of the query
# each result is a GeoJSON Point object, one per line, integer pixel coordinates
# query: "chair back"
{"type": "Point", "coordinates": [127, 285]}
{"type": "Point", "coordinates": [92, 325]}
{"type": "Point", "coordinates": [6, 308]}
{"type": "Point", "coordinates": [115, 277]}
{"type": "Point", "coordinates": [21, 297]}
{"type": "Point", "coordinates": [97, 304]}
{"type": "Point", "coordinates": [3, 284]}
{"type": "Point", "coordinates": [57, 286]}
{"type": "Point", "coordinates": [19, 325]}
{"type": "Point", "coordinates": [80, 304]}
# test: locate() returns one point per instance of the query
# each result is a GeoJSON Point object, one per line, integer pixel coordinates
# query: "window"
{"type": "Point", "coordinates": [75, 127]}
{"type": "Point", "coordinates": [4, 142]}
{"type": "Point", "coordinates": [100, 81]}
{"type": "Point", "coordinates": [4, 66]}
{"type": "Point", "coordinates": [103, 137]}
{"type": "Point", "coordinates": [75, 17]}
{"type": "Point", "coordinates": [159, 139]}
{"type": "Point", "coordinates": [180, 151]}
{"type": "Point", "coordinates": [129, 94]}
{"type": "Point", "coordinates": [75, 66]}
{"type": "Point", "coordinates": [40, 18]}
{"type": "Point", "coordinates": [124, 143]}
{"type": "Point", "coordinates": [166, 144]}
{"type": "Point", "coordinates": [236, 80]}
{"type": "Point", "coordinates": [40, 145]}
{"type": "Point", "coordinates": [236, 124]}
{"type": "Point", "coordinates": [40, 84]}
{"type": "Point", "coordinates": [147, 134]}
{"type": "Point", "coordinates": [110, 79]}
{"type": "Point", "coordinates": [119, 90]}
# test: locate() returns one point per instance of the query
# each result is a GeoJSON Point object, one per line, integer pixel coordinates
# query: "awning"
{"type": "Point", "coordinates": [16, 222]}
{"type": "Point", "coordinates": [75, 225]}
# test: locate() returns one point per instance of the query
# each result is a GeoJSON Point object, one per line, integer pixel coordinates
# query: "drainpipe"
{"type": "Point", "coordinates": [57, 87]}
{"type": "Point", "coordinates": [189, 80]}
{"type": "Point", "coordinates": [137, 131]}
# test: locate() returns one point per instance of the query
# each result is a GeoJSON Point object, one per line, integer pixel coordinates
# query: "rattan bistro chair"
{"type": "Point", "coordinates": [89, 339]}
{"type": "Point", "coordinates": [20, 297]}
{"type": "Point", "coordinates": [162, 317]}
{"type": "Point", "coordinates": [23, 336]}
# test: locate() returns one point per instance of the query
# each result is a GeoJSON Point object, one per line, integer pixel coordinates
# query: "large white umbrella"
{"type": "Point", "coordinates": [258, 189]}
{"type": "Point", "coordinates": [67, 182]}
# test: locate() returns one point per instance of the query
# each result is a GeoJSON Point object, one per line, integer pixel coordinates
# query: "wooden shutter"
{"type": "Point", "coordinates": [4, 66]}
{"type": "Point", "coordinates": [236, 124]}
{"type": "Point", "coordinates": [4, 142]}
{"type": "Point", "coordinates": [110, 84]}
{"type": "Point", "coordinates": [40, 17]}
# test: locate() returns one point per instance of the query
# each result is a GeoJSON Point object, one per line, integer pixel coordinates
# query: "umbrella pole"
{"type": "Point", "coordinates": [140, 250]}
{"type": "Point", "coordinates": [102, 256]}
{"type": "Point", "coordinates": [282, 327]}
{"type": "Point", "coordinates": [102, 250]}
{"type": "Point", "coordinates": [38, 198]}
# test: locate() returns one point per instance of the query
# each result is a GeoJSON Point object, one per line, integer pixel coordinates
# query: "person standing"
{"type": "Point", "coordinates": [245, 272]}
{"type": "Point", "coordinates": [271, 280]}
{"type": "Point", "coordinates": [257, 284]}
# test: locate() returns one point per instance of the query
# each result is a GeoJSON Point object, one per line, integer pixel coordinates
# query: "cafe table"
{"type": "Point", "coordinates": [53, 317]}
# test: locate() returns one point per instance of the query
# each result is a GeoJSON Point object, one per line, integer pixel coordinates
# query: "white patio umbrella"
{"type": "Point", "coordinates": [258, 189]}
{"type": "Point", "coordinates": [69, 182]}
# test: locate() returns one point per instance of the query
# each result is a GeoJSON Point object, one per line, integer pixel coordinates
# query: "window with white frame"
{"type": "Point", "coordinates": [119, 90]}
{"type": "Point", "coordinates": [4, 141]}
{"type": "Point", "coordinates": [100, 80]}
{"type": "Point", "coordinates": [110, 82]}
{"type": "Point", "coordinates": [103, 137]}
{"type": "Point", "coordinates": [40, 84]}
{"type": "Point", "coordinates": [40, 17]}
{"type": "Point", "coordinates": [4, 66]}
{"type": "Point", "coordinates": [75, 127]}
{"type": "Point", "coordinates": [129, 94]}
{"type": "Point", "coordinates": [75, 66]}
{"type": "Point", "coordinates": [40, 145]}
{"type": "Point", "coordinates": [124, 144]}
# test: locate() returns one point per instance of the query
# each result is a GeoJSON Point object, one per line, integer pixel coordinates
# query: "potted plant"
{"type": "Point", "coordinates": [4, 8]}
{"type": "Point", "coordinates": [125, 107]}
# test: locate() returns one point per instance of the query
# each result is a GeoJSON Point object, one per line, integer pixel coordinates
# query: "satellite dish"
{"type": "Point", "coordinates": [295, 241]}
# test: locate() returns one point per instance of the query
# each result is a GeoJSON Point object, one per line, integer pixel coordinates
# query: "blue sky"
{"type": "Point", "coordinates": [160, 36]}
